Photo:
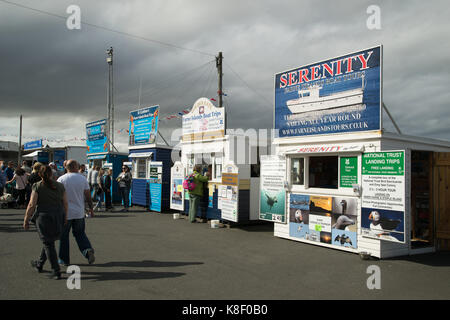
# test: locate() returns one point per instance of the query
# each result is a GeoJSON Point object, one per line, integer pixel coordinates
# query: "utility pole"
{"type": "Point", "coordinates": [110, 112]}
{"type": "Point", "coordinates": [19, 158]}
{"type": "Point", "coordinates": [219, 71]}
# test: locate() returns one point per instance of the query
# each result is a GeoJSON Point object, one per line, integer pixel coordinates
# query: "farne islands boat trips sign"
{"type": "Point", "coordinates": [338, 95]}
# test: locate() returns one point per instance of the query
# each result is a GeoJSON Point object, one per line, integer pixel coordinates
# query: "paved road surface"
{"type": "Point", "coordinates": [144, 255]}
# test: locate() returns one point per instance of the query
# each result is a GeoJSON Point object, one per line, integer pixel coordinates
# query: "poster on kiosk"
{"type": "Point", "coordinates": [176, 186]}
{"type": "Point", "coordinates": [383, 195]}
{"type": "Point", "coordinates": [155, 182]}
{"type": "Point", "coordinates": [228, 198]}
{"type": "Point", "coordinates": [272, 191]}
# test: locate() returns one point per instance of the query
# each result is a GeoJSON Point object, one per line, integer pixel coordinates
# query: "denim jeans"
{"type": "Point", "coordinates": [78, 231]}
{"type": "Point", "coordinates": [125, 193]}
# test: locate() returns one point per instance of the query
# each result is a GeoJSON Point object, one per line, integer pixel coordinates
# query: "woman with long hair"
{"type": "Point", "coordinates": [48, 206]}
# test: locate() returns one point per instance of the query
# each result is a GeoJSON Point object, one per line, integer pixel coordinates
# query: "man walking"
{"type": "Point", "coordinates": [77, 190]}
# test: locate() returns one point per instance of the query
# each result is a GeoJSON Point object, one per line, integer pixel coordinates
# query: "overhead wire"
{"type": "Point", "coordinates": [109, 29]}
{"type": "Point", "coordinates": [245, 82]}
{"type": "Point", "coordinates": [161, 85]}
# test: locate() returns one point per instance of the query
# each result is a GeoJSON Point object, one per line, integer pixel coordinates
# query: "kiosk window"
{"type": "Point", "coordinates": [217, 166]}
{"type": "Point", "coordinates": [141, 168]}
{"type": "Point", "coordinates": [297, 170]}
{"type": "Point", "coordinates": [323, 172]}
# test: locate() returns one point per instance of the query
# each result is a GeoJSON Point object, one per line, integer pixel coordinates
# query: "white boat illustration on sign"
{"type": "Point", "coordinates": [310, 99]}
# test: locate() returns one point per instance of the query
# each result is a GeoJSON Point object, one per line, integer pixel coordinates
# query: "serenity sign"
{"type": "Point", "coordinates": [339, 95]}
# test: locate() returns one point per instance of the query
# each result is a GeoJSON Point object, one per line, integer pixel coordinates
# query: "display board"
{"type": "Point", "coordinates": [176, 186]}
{"type": "Point", "coordinates": [228, 198]}
{"type": "Point", "coordinates": [203, 122]}
{"type": "Point", "coordinates": [96, 139]}
{"type": "Point", "coordinates": [348, 172]}
{"type": "Point", "coordinates": [59, 156]}
{"type": "Point", "coordinates": [155, 185]}
{"type": "Point", "coordinates": [383, 195]}
{"type": "Point", "coordinates": [36, 144]}
{"type": "Point", "coordinates": [143, 127]}
{"type": "Point", "coordinates": [338, 95]}
{"type": "Point", "coordinates": [272, 191]}
{"type": "Point", "coordinates": [330, 220]}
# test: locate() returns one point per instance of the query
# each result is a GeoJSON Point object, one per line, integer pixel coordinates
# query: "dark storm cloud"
{"type": "Point", "coordinates": [57, 78]}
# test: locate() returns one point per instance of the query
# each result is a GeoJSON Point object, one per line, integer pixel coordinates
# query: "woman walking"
{"type": "Point", "coordinates": [48, 206]}
{"type": "Point", "coordinates": [124, 180]}
{"type": "Point", "coordinates": [21, 179]}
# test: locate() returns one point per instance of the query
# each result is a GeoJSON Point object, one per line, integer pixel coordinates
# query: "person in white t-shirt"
{"type": "Point", "coordinates": [77, 190]}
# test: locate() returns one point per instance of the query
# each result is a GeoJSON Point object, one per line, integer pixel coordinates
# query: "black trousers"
{"type": "Point", "coordinates": [49, 226]}
{"type": "Point", "coordinates": [108, 204]}
{"type": "Point", "coordinates": [49, 252]}
{"type": "Point", "coordinates": [21, 199]}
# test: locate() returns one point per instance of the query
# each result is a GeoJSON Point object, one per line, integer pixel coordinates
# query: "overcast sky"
{"type": "Point", "coordinates": [57, 78]}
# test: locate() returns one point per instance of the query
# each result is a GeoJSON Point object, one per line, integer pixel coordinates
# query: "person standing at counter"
{"type": "Point", "coordinates": [124, 180]}
{"type": "Point", "coordinates": [196, 195]}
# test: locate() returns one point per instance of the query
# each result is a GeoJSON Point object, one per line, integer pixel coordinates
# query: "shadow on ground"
{"type": "Point", "coordinates": [257, 228]}
{"type": "Point", "coordinates": [436, 259]}
{"type": "Point", "coordinates": [99, 215]}
{"type": "Point", "coordinates": [144, 264]}
{"type": "Point", "coordinates": [119, 275]}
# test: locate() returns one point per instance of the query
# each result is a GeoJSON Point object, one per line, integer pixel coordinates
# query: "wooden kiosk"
{"type": "Point", "coordinates": [347, 183]}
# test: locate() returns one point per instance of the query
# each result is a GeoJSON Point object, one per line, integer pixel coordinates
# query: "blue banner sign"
{"type": "Point", "coordinates": [143, 126]}
{"type": "Point", "coordinates": [338, 95]}
{"type": "Point", "coordinates": [32, 145]}
{"type": "Point", "coordinates": [96, 139]}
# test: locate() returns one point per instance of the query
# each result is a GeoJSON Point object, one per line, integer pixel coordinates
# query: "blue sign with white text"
{"type": "Point", "coordinates": [32, 145]}
{"type": "Point", "coordinates": [96, 139]}
{"type": "Point", "coordinates": [338, 95]}
{"type": "Point", "coordinates": [143, 126]}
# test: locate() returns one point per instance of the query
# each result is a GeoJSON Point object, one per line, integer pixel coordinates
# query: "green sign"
{"type": "Point", "coordinates": [349, 171]}
{"type": "Point", "coordinates": [383, 163]}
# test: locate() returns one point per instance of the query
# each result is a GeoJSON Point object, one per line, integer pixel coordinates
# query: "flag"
{"type": "Point", "coordinates": [212, 99]}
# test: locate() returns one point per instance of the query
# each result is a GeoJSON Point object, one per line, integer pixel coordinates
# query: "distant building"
{"type": "Point", "coordinates": [9, 151]}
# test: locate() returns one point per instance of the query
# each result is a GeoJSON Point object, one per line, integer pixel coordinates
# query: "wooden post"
{"type": "Point", "coordinates": [219, 71]}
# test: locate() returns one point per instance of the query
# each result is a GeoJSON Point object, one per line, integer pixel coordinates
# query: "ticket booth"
{"type": "Point", "coordinates": [338, 179]}
{"type": "Point", "coordinates": [231, 194]}
{"type": "Point", "coordinates": [151, 177]}
{"type": "Point", "coordinates": [150, 161]}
